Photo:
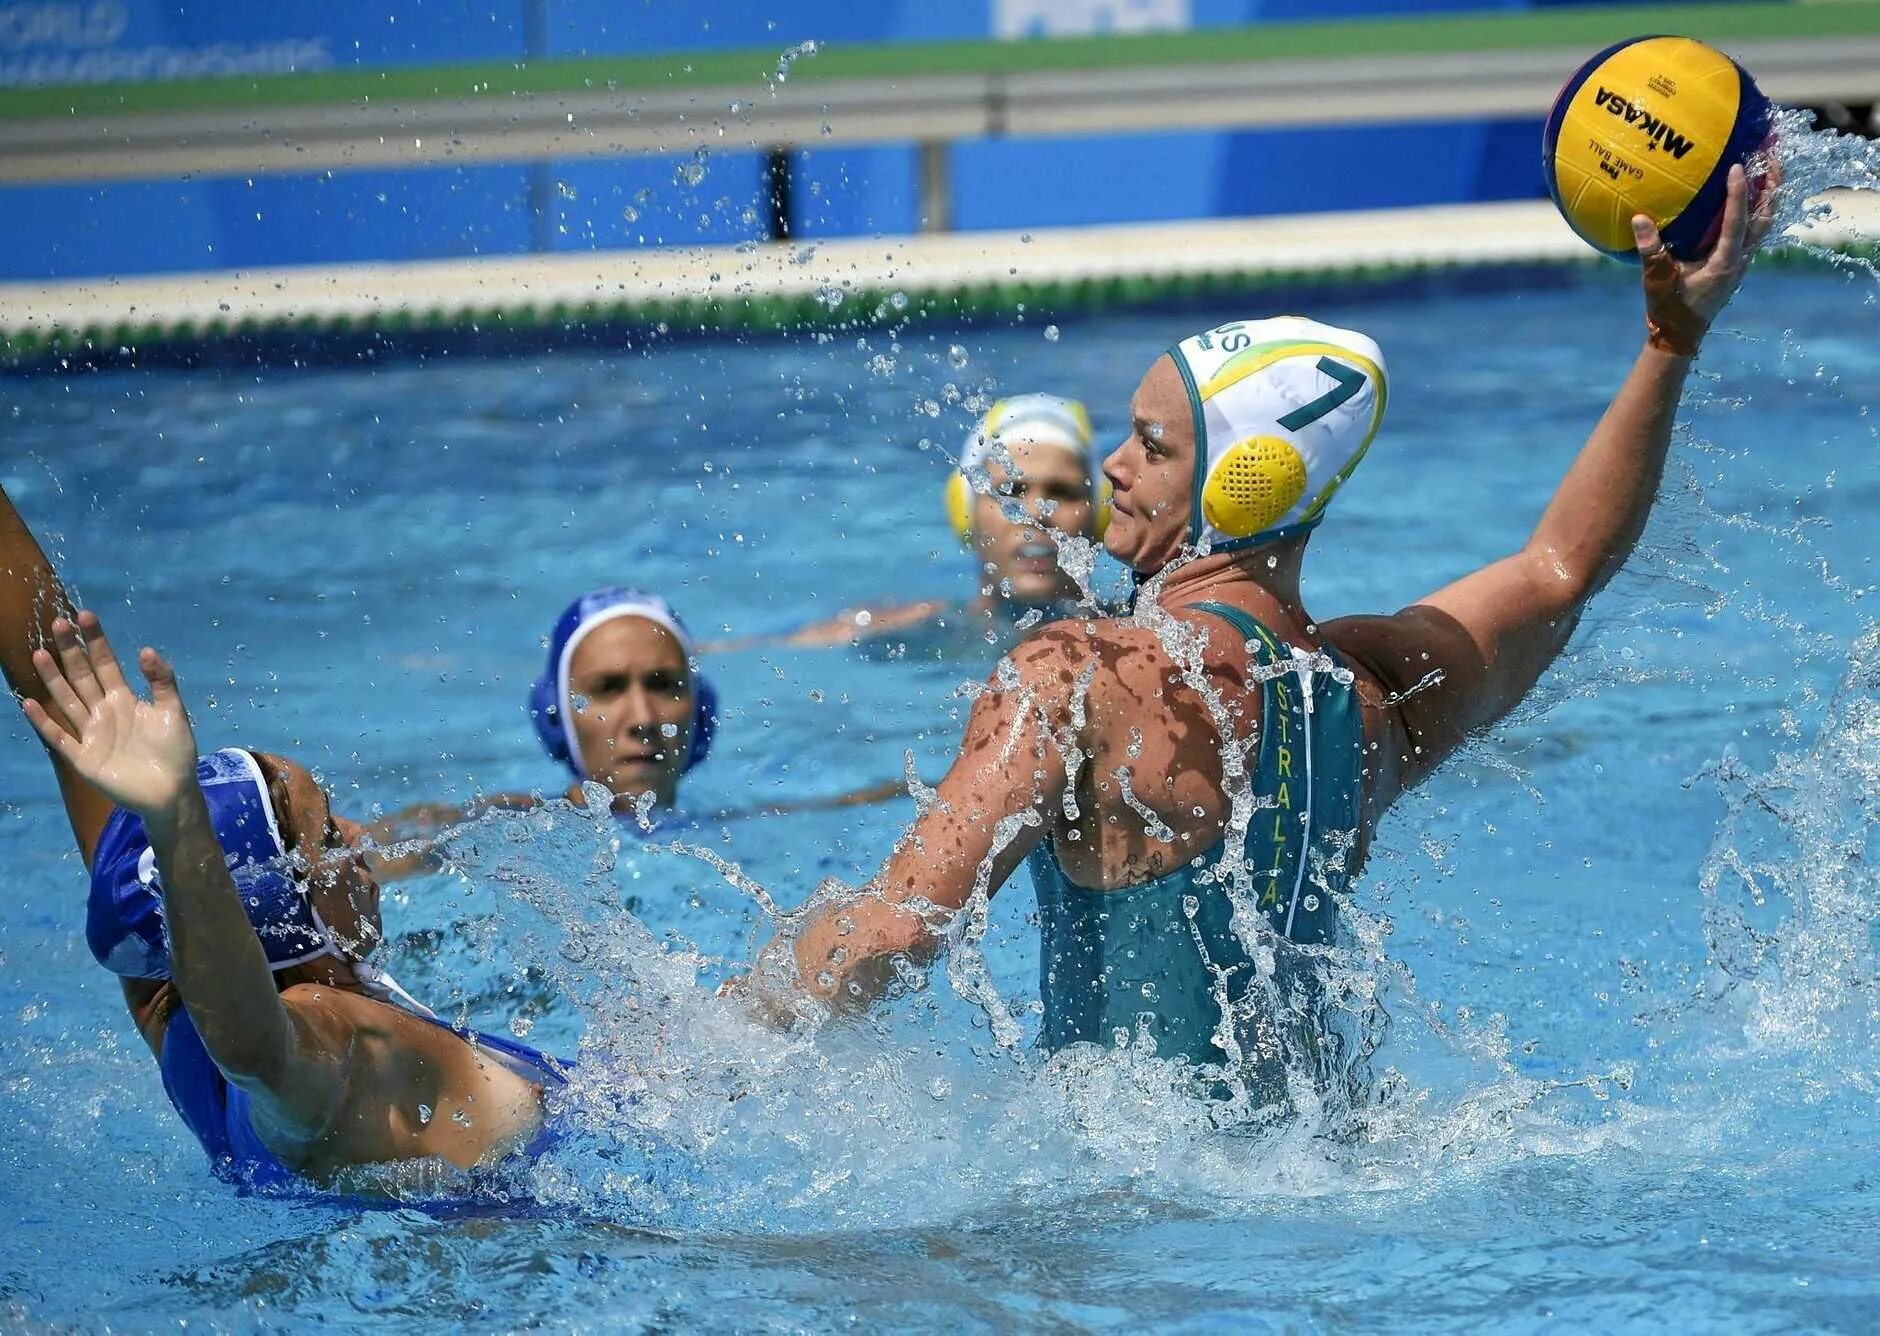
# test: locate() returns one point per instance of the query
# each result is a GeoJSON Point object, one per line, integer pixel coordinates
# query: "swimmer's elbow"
{"type": "Point", "coordinates": [1563, 576]}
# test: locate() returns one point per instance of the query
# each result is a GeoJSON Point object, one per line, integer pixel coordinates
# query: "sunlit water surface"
{"type": "Point", "coordinates": [1624, 942]}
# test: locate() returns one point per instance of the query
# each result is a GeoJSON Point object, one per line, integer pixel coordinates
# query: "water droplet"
{"type": "Point", "coordinates": [957, 356]}
{"type": "Point", "coordinates": [669, 730]}
{"type": "Point", "coordinates": [898, 300]}
{"type": "Point", "coordinates": [424, 1114]}
{"type": "Point", "coordinates": [521, 1025]}
{"type": "Point", "coordinates": [1050, 333]}
{"type": "Point", "coordinates": [939, 1087]}
{"type": "Point", "coordinates": [790, 57]}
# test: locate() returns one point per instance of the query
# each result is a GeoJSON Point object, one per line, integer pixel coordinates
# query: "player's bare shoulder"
{"type": "Point", "coordinates": [1085, 651]}
{"type": "Point", "coordinates": [1090, 672]}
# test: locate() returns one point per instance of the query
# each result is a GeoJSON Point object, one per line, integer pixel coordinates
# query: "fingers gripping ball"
{"type": "Point", "coordinates": [1255, 483]}
{"type": "Point", "coordinates": [1651, 126]}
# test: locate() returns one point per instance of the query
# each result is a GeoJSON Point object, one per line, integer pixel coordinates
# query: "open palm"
{"type": "Point", "coordinates": [141, 754]}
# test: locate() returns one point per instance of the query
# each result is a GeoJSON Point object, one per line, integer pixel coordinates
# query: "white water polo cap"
{"type": "Point", "coordinates": [1283, 410]}
{"type": "Point", "coordinates": [1025, 419]}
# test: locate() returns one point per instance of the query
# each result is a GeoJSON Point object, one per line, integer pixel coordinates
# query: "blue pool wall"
{"type": "Point", "coordinates": [93, 229]}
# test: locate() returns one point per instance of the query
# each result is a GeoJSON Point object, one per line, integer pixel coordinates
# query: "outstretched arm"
{"type": "Point", "coordinates": [410, 841]}
{"type": "Point", "coordinates": [994, 805]}
{"type": "Point", "coordinates": [141, 755]}
{"type": "Point", "coordinates": [31, 596]}
{"type": "Point", "coordinates": [843, 629]}
{"type": "Point", "coordinates": [1466, 655]}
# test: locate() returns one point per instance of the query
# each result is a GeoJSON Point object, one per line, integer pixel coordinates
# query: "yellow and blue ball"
{"type": "Point", "coordinates": [1653, 126]}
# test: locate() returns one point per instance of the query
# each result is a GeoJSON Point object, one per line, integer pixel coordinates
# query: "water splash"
{"type": "Point", "coordinates": [1792, 882]}
{"type": "Point", "coordinates": [788, 58]}
{"type": "Point", "coordinates": [1814, 163]}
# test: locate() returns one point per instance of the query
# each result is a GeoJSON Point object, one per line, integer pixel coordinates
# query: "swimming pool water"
{"type": "Point", "coordinates": [1623, 1091]}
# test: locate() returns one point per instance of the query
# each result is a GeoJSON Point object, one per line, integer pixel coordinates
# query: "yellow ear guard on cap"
{"type": "Point", "coordinates": [958, 500]}
{"type": "Point", "coordinates": [1029, 419]}
{"type": "Point", "coordinates": [1255, 483]}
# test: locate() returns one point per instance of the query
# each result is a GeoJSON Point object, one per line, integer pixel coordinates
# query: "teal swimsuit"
{"type": "Point", "coordinates": [1155, 960]}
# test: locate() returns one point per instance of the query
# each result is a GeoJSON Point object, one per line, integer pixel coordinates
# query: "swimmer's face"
{"type": "Point", "coordinates": [1152, 474]}
{"type": "Point", "coordinates": [632, 708]}
{"type": "Point", "coordinates": [337, 882]}
{"type": "Point", "coordinates": [1050, 487]}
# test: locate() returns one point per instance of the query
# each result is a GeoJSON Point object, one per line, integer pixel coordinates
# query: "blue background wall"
{"type": "Point", "coordinates": [70, 231]}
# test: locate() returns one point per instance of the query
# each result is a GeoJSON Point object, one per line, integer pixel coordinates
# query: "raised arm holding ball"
{"type": "Point", "coordinates": [1097, 752]}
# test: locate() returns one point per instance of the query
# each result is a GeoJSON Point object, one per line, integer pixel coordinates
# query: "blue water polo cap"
{"type": "Point", "coordinates": [124, 917]}
{"type": "Point", "coordinates": [549, 703]}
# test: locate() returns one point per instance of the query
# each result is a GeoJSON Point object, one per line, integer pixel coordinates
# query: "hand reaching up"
{"type": "Point", "coordinates": [1682, 298]}
{"type": "Point", "coordinates": [140, 754]}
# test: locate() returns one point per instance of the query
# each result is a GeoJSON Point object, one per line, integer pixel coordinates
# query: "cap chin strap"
{"type": "Point", "coordinates": [378, 983]}
{"type": "Point", "coordinates": [382, 987]}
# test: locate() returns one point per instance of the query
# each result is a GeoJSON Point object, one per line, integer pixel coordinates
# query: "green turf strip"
{"type": "Point", "coordinates": [865, 308]}
{"type": "Point", "coordinates": [1578, 28]}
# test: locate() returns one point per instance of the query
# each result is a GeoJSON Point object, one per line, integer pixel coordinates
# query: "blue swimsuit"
{"type": "Point", "coordinates": [218, 1113]}
{"type": "Point", "coordinates": [1146, 961]}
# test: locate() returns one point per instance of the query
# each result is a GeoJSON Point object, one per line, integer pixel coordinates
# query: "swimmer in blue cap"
{"type": "Point", "coordinates": [226, 897]}
{"type": "Point", "coordinates": [1195, 785]}
{"type": "Point", "coordinates": [621, 702]}
{"type": "Point", "coordinates": [1027, 480]}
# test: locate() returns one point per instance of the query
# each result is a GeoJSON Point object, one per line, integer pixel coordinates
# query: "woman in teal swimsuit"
{"type": "Point", "coordinates": [1156, 961]}
{"type": "Point", "coordinates": [1190, 822]}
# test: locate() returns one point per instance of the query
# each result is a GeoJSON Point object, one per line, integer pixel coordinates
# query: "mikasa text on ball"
{"type": "Point", "coordinates": [1652, 126]}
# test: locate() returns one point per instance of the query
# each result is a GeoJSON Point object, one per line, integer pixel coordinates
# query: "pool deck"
{"type": "Point", "coordinates": [819, 282]}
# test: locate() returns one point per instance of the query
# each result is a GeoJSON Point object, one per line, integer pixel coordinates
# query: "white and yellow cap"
{"type": "Point", "coordinates": [1283, 409]}
{"type": "Point", "coordinates": [1025, 419]}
